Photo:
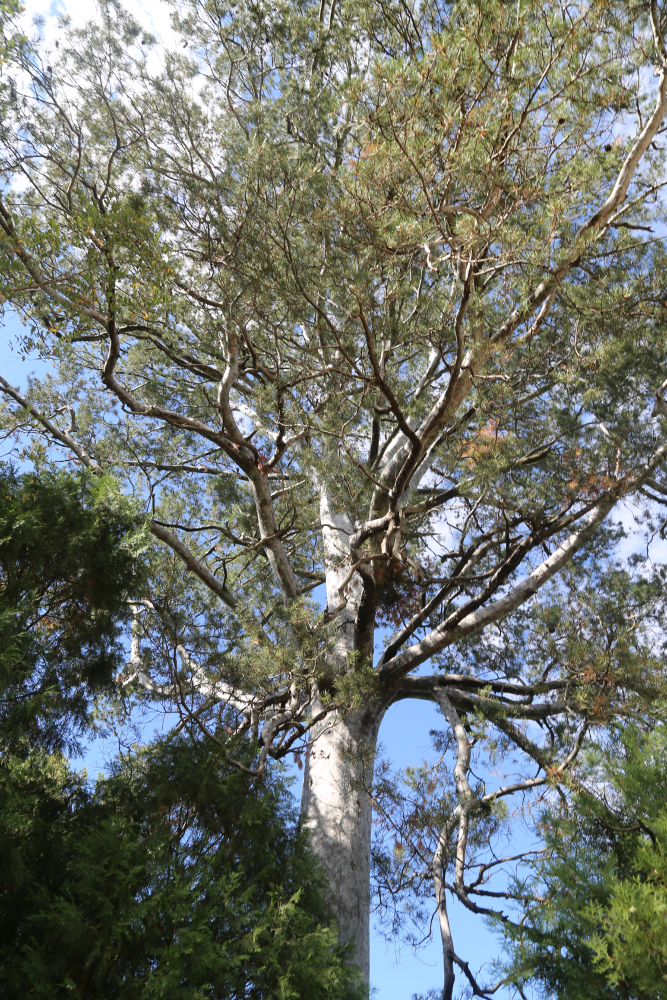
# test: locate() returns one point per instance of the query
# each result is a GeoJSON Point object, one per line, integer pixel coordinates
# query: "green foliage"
{"type": "Point", "coordinates": [597, 925]}
{"type": "Point", "coordinates": [69, 559]}
{"type": "Point", "coordinates": [174, 877]}
{"type": "Point", "coordinates": [370, 290]}
{"type": "Point", "coordinates": [13, 44]}
{"type": "Point", "coordinates": [601, 621]}
{"type": "Point", "coordinates": [412, 806]}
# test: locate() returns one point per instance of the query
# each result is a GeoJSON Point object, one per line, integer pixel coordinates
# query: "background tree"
{"type": "Point", "coordinates": [174, 877]}
{"type": "Point", "coordinates": [364, 294]}
{"type": "Point", "coordinates": [607, 631]}
{"type": "Point", "coordinates": [70, 549]}
{"type": "Point", "coordinates": [173, 873]}
{"type": "Point", "coordinates": [597, 928]}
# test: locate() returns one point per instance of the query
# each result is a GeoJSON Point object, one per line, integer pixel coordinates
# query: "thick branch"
{"type": "Point", "coordinates": [61, 436]}
{"type": "Point", "coordinates": [455, 627]}
{"type": "Point", "coordinates": [193, 564]}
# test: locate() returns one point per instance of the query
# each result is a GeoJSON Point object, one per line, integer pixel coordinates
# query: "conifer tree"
{"type": "Point", "coordinates": [173, 877]}
{"type": "Point", "coordinates": [367, 294]}
{"type": "Point", "coordinates": [70, 560]}
{"type": "Point", "coordinates": [598, 924]}
{"type": "Point", "coordinates": [174, 872]}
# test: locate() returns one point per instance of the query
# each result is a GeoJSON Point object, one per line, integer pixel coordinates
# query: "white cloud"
{"type": "Point", "coordinates": [42, 16]}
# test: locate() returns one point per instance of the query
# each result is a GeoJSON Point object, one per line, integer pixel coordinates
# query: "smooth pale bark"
{"type": "Point", "coordinates": [336, 810]}
{"type": "Point", "coordinates": [338, 778]}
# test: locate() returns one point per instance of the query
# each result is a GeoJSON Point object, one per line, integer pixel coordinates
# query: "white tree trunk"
{"type": "Point", "coordinates": [336, 809]}
{"type": "Point", "coordinates": [338, 778]}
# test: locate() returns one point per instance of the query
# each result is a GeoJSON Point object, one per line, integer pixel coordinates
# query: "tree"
{"type": "Point", "coordinates": [69, 562]}
{"type": "Point", "coordinates": [174, 877]}
{"type": "Point", "coordinates": [12, 43]}
{"type": "Point", "coordinates": [598, 928]}
{"type": "Point", "coordinates": [367, 295]}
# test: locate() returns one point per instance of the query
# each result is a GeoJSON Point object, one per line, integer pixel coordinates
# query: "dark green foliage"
{"type": "Point", "coordinates": [599, 929]}
{"type": "Point", "coordinates": [69, 549]}
{"type": "Point", "coordinates": [173, 878]}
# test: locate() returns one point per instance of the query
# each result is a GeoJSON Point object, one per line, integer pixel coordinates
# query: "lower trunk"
{"type": "Point", "coordinates": [336, 809]}
{"type": "Point", "coordinates": [336, 800]}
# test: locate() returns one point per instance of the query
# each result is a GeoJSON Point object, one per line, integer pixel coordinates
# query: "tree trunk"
{"type": "Point", "coordinates": [336, 809]}
{"type": "Point", "coordinates": [338, 778]}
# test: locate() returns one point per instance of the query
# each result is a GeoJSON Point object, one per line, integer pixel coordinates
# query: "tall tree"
{"type": "Point", "coordinates": [367, 294]}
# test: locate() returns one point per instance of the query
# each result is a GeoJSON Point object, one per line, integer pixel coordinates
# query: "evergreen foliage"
{"type": "Point", "coordinates": [70, 558]}
{"type": "Point", "coordinates": [175, 876]}
{"type": "Point", "coordinates": [172, 878]}
{"type": "Point", "coordinates": [371, 293]}
{"type": "Point", "coordinates": [597, 929]}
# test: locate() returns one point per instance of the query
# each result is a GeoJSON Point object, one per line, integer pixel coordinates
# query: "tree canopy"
{"type": "Point", "coordinates": [368, 294]}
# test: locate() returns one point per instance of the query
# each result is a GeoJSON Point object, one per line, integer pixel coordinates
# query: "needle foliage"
{"type": "Point", "coordinates": [175, 872]}
{"type": "Point", "coordinates": [368, 293]}
{"type": "Point", "coordinates": [598, 929]}
{"type": "Point", "coordinates": [70, 557]}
